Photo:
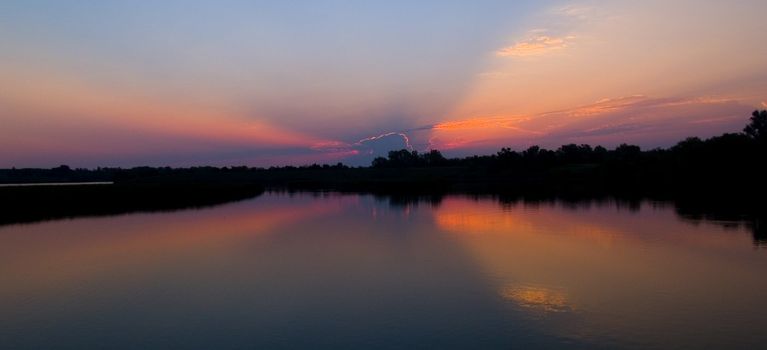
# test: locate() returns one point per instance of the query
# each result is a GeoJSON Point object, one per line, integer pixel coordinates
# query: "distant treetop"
{"type": "Point", "coordinates": [757, 129]}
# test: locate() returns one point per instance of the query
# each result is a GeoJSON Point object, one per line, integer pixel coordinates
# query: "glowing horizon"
{"type": "Point", "coordinates": [265, 83]}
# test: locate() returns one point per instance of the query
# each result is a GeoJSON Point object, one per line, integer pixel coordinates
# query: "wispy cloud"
{"type": "Point", "coordinates": [555, 32]}
{"type": "Point", "coordinates": [404, 137]}
{"type": "Point", "coordinates": [378, 144]}
{"type": "Point", "coordinates": [640, 119]}
{"type": "Point", "coordinates": [574, 11]}
{"type": "Point", "coordinates": [536, 46]}
{"type": "Point", "coordinates": [485, 123]}
{"type": "Point", "coordinates": [764, 104]}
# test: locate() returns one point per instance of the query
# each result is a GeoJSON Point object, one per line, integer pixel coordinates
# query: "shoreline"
{"type": "Point", "coordinates": [35, 184]}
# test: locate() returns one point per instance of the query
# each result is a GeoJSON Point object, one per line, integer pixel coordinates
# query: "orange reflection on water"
{"type": "Point", "coordinates": [465, 216]}
{"type": "Point", "coordinates": [465, 220]}
{"type": "Point", "coordinates": [545, 299]}
{"type": "Point", "coordinates": [605, 260]}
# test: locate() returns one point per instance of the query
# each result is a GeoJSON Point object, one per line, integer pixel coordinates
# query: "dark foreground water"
{"type": "Point", "coordinates": [357, 272]}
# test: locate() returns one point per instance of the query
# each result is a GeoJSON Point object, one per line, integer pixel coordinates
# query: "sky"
{"type": "Point", "coordinates": [260, 83]}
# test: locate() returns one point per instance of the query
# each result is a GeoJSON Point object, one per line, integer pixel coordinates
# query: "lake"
{"type": "Point", "coordinates": [345, 271]}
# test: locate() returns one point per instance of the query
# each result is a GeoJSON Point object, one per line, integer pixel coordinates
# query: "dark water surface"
{"type": "Point", "coordinates": [357, 272]}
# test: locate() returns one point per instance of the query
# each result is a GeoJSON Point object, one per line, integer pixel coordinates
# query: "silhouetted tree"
{"type": "Point", "coordinates": [403, 158]}
{"type": "Point", "coordinates": [434, 158]}
{"type": "Point", "coordinates": [757, 129]}
{"type": "Point", "coordinates": [573, 153]}
{"type": "Point", "coordinates": [507, 157]}
{"type": "Point", "coordinates": [379, 162]}
{"type": "Point", "coordinates": [628, 152]}
{"type": "Point", "coordinates": [532, 152]}
{"type": "Point", "coordinates": [599, 154]}
{"type": "Point", "coordinates": [688, 144]}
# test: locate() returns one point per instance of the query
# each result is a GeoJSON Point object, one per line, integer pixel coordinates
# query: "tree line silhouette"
{"type": "Point", "coordinates": [727, 165]}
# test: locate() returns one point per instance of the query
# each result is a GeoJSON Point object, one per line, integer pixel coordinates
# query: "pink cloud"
{"type": "Point", "coordinates": [535, 46]}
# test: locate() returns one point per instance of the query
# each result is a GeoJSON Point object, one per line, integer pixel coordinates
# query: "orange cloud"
{"type": "Point", "coordinates": [535, 46]}
{"type": "Point", "coordinates": [475, 123]}
{"type": "Point", "coordinates": [476, 132]}
{"type": "Point", "coordinates": [609, 121]}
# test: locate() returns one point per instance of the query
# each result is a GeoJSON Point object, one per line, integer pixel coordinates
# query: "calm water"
{"type": "Point", "coordinates": [357, 272]}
